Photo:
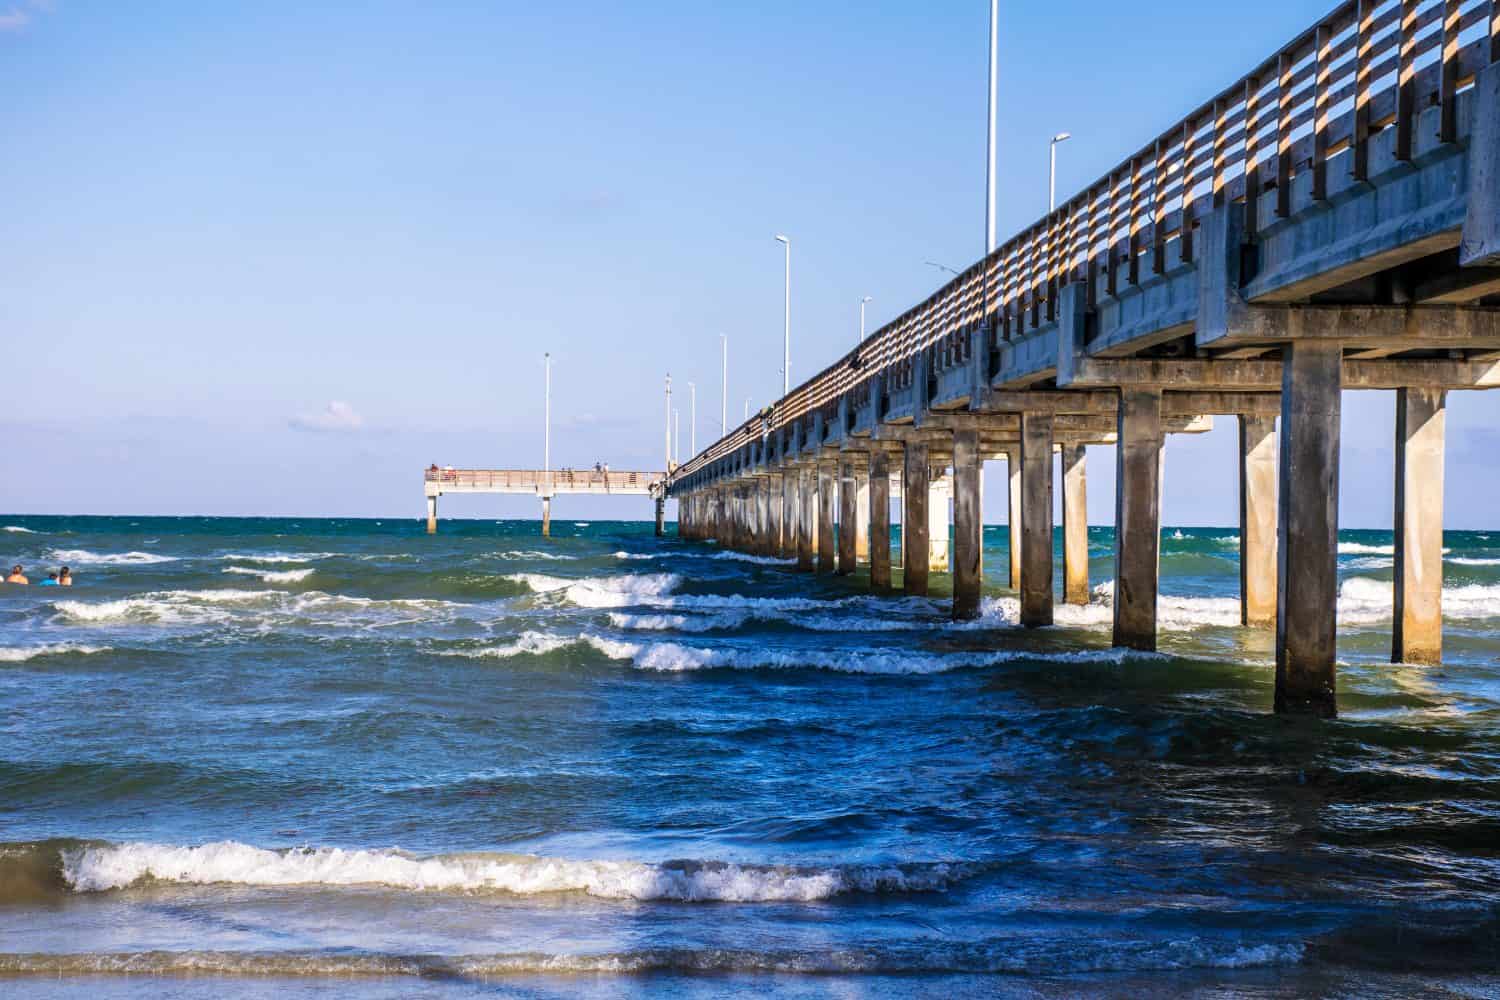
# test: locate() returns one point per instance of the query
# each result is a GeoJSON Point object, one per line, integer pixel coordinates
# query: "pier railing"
{"type": "Point", "coordinates": [1369, 66]}
{"type": "Point", "coordinates": [558, 480]}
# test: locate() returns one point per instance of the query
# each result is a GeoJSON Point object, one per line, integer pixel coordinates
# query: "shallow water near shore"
{"type": "Point", "coordinates": [303, 756]}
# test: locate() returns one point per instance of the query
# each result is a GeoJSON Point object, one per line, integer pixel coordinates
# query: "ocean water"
{"type": "Point", "coordinates": [343, 758]}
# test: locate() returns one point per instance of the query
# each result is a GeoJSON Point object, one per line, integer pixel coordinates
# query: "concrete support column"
{"type": "Point", "coordinates": [826, 471]}
{"type": "Point", "coordinates": [848, 515]}
{"type": "Point", "coordinates": [432, 515]}
{"type": "Point", "coordinates": [968, 524]}
{"type": "Point", "coordinates": [547, 517]}
{"type": "Point", "coordinates": [790, 521]}
{"type": "Point", "coordinates": [1307, 587]}
{"type": "Point", "coordinates": [862, 512]}
{"type": "Point", "coordinates": [1013, 514]}
{"type": "Point", "coordinates": [941, 488]}
{"type": "Point", "coordinates": [1075, 524]}
{"type": "Point", "coordinates": [1421, 416]}
{"type": "Point", "coordinates": [1137, 517]}
{"type": "Point", "coordinates": [774, 520]}
{"type": "Point", "coordinates": [807, 518]}
{"type": "Point", "coordinates": [1257, 520]}
{"type": "Point", "coordinates": [1036, 519]}
{"type": "Point", "coordinates": [765, 542]}
{"type": "Point", "coordinates": [880, 519]}
{"type": "Point", "coordinates": [915, 492]}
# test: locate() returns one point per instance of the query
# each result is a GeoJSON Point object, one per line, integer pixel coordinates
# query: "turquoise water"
{"type": "Point", "coordinates": [345, 758]}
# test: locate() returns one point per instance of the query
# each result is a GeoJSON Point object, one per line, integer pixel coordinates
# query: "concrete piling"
{"type": "Point", "coordinates": [880, 519]}
{"type": "Point", "coordinates": [968, 524]}
{"type": "Point", "coordinates": [848, 515]}
{"type": "Point", "coordinates": [1013, 514]}
{"type": "Point", "coordinates": [826, 473]}
{"type": "Point", "coordinates": [547, 516]}
{"type": "Point", "coordinates": [914, 520]}
{"type": "Point", "coordinates": [1036, 519]}
{"type": "Point", "coordinates": [807, 516]}
{"type": "Point", "coordinates": [1307, 528]}
{"type": "Point", "coordinates": [1257, 520]}
{"type": "Point", "coordinates": [1075, 524]}
{"type": "Point", "coordinates": [1417, 634]}
{"type": "Point", "coordinates": [432, 515]}
{"type": "Point", "coordinates": [1137, 517]}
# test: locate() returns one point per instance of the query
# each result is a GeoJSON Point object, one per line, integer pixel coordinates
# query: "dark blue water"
{"type": "Point", "coordinates": [341, 756]}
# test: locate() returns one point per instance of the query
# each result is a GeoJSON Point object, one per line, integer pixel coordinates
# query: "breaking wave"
{"type": "Point", "coordinates": [602, 592]}
{"type": "Point", "coordinates": [271, 558]}
{"type": "Point", "coordinates": [273, 576]}
{"type": "Point", "coordinates": [1363, 600]}
{"type": "Point", "coordinates": [758, 560]}
{"type": "Point", "coordinates": [83, 557]}
{"type": "Point", "coordinates": [20, 654]}
{"type": "Point", "coordinates": [16, 528]}
{"type": "Point", "coordinates": [101, 868]}
{"type": "Point", "coordinates": [179, 607]}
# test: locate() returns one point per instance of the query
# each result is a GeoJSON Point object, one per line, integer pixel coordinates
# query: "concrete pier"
{"type": "Point", "coordinates": [1417, 633]}
{"type": "Point", "coordinates": [432, 515]}
{"type": "Point", "coordinates": [1307, 539]}
{"type": "Point", "coordinates": [862, 510]}
{"type": "Point", "coordinates": [1075, 523]}
{"type": "Point", "coordinates": [1257, 520]}
{"type": "Point", "coordinates": [880, 519]}
{"type": "Point", "coordinates": [1137, 517]}
{"type": "Point", "coordinates": [1013, 514]}
{"type": "Point", "coordinates": [1036, 519]}
{"type": "Point", "coordinates": [826, 473]}
{"type": "Point", "coordinates": [789, 519]}
{"type": "Point", "coordinates": [848, 515]}
{"type": "Point", "coordinates": [914, 523]}
{"type": "Point", "coordinates": [807, 519]}
{"type": "Point", "coordinates": [774, 520]}
{"type": "Point", "coordinates": [940, 487]}
{"type": "Point", "coordinates": [968, 524]}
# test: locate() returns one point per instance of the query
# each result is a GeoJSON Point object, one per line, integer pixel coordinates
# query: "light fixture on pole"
{"type": "Point", "coordinates": [989, 199]}
{"type": "Point", "coordinates": [1052, 170]}
{"type": "Point", "coordinates": [547, 418]}
{"type": "Point", "coordinates": [862, 303]}
{"type": "Point", "coordinates": [941, 267]}
{"type": "Point", "coordinates": [786, 347]}
{"type": "Point", "coordinates": [693, 418]}
{"type": "Point", "coordinates": [669, 423]}
{"type": "Point", "coordinates": [724, 385]}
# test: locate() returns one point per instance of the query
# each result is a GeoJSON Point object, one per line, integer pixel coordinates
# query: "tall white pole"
{"type": "Point", "coordinates": [747, 407]}
{"type": "Point", "coordinates": [989, 202]}
{"type": "Point", "coordinates": [693, 418]}
{"type": "Point", "coordinates": [677, 424]}
{"type": "Point", "coordinates": [669, 423]}
{"type": "Point", "coordinates": [862, 303]}
{"type": "Point", "coordinates": [786, 349]}
{"type": "Point", "coordinates": [1052, 170]}
{"type": "Point", "coordinates": [724, 399]}
{"type": "Point", "coordinates": [547, 419]}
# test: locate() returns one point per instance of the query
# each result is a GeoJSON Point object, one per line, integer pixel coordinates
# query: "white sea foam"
{"type": "Point", "coordinates": [273, 558]}
{"type": "Point", "coordinates": [83, 557]}
{"type": "Point", "coordinates": [674, 657]}
{"type": "Point", "coordinates": [1363, 600]}
{"type": "Point", "coordinates": [1360, 548]}
{"type": "Point", "coordinates": [758, 560]}
{"type": "Point", "coordinates": [603, 592]}
{"type": "Point", "coordinates": [254, 607]}
{"type": "Point", "coordinates": [535, 554]}
{"type": "Point", "coordinates": [1173, 612]}
{"type": "Point", "coordinates": [271, 575]}
{"type": "Point", "coordinates": [102, 868]}
{"type": "Point", "coordinates": [637, 555]}
{"type": "Point", "coordinates": [20, 654]}
{"type": "Point", "coordinates": [1474, 561]}
{"type": "Point", "coordinates": [17, 529]}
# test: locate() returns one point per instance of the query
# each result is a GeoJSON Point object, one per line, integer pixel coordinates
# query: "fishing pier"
{"type": "Point", "coordinates": [1330, 222]}
{"type": "Point", "coordinates": [544, 484]}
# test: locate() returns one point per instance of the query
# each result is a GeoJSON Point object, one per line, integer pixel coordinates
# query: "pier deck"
{"type": "Point", "coordinates": [544, 484]}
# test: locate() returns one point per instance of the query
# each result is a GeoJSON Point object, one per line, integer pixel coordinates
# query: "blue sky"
{"type": "Point", "coordinates": [275, 258]}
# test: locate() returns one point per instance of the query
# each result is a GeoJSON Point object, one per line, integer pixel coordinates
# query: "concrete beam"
{"type": "Point", "coordinates": [1307, 530]}
{"type": "Point", "coordinates": [1187, 374]}
{"type": "Point", "coordinates": [1480, 243]}
{"type": "Point", "coordinates": [1417, 635]}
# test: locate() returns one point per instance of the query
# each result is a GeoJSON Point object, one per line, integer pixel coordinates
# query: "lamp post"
{"type": "Point", "coordinates": [786, 347]}
{"type": "Point", "coordinates": [693, 418]}
{"type": "Point", "coordinates": [547, 419]}
{"type": "Point", "coordinates": [941, 267]}
{"type": "Point", "coordinates": [724, 383]}
{"type": "Point", "coordinates": [669, 423]}
{"type": "Point", "coordinates": [677, 427]}
{"type": "Point", "coordinates": [1052, 170]}
{"type": "Point", "coordinates": [989, 200]}
{"type": "Point", "coordinates": [862, 303]}
{"type": "Point", "coordinates": [747, 407]}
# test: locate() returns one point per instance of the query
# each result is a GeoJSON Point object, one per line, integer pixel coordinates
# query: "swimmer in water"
{"type": "Point", "coordinates": [16, 575]}
{"type": "Point", "coordinates": [51, 581]}
{"type": "Point", "coordinates": [65, 577]}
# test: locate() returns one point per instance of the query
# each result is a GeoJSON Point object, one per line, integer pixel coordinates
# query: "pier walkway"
{"type": "Point", "coordinates": [545, 484]}
{"type": "Point", "coordinates": [1328, 222]}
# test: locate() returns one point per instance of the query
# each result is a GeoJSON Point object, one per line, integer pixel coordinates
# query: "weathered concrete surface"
{"type": "Point", "coordinates": [788, 515]}
{"type": "Point", "coordinates": [661, 517]}
{"type": "Point", "coordinates": [808, 516]}
{"type": "Point", "coordinates": [862, 511]}
{"type": "Point", "coordinates": [1036, 519]}
{"type": "Point", "coordinates": [774, 519]}
{"type": "Point", "coordinates": [1075, 523]}
{"type": "Point", "coordinates": [432, 515]}
{"type": "Point", "coordinates": [1481, 233]}
{"type": "Point", "coordinates": [914, 540]}
{"type": "Point", "coordinates": [880, 519]}
{"type": "Point", "coordinates": [941, 487]}
{"type": "Point", "coordinates": [1137, 518]}
{"type": "Point", "coordinates": [1257, 520]}
{"type": "Point", "coordinates": [968, 524]}
{"type": "Point", "coordinates": [1307, 530]}
{"type": "Point", "coordinates": [1013, 513]}
{"type": "Point", "coordinates": [1417, 635]}
{"type": "Point", "coordinates": [848, 515]}
{"type": "Point", "coordinates": [547, 516]}
{"type": "Point", "coordinates": [826, 473]}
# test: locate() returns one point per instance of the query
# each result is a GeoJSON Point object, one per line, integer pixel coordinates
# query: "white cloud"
{"type": "Point", "coordinates": [17, 16]}
{"type": "Point", "coordinates": [336, 417]}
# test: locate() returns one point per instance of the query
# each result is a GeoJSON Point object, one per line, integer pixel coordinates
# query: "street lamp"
{"type": "Point", "coordinates": [1052, 170]}
{"type": "Point", "coordinates": [786, 349]}
{"type": "Point", "coordinates": [669, 423]}
{"type": "Point", "coordinates": [989, 199]}
{"type": "Point", "coordinates": [693, 418]}
{"type": "Point", "coordinates": [547, 417]}
{"type": "Point", "coordinates": [747, 407]}
{"type": "Point", "coordinates": [941, 267]}
{"type": "Point", "coordinates": [724, 396]}
{"type": "Point", "coordinates": [862, 303]}
{"type": "Point", "coordinates": [677, 426]}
